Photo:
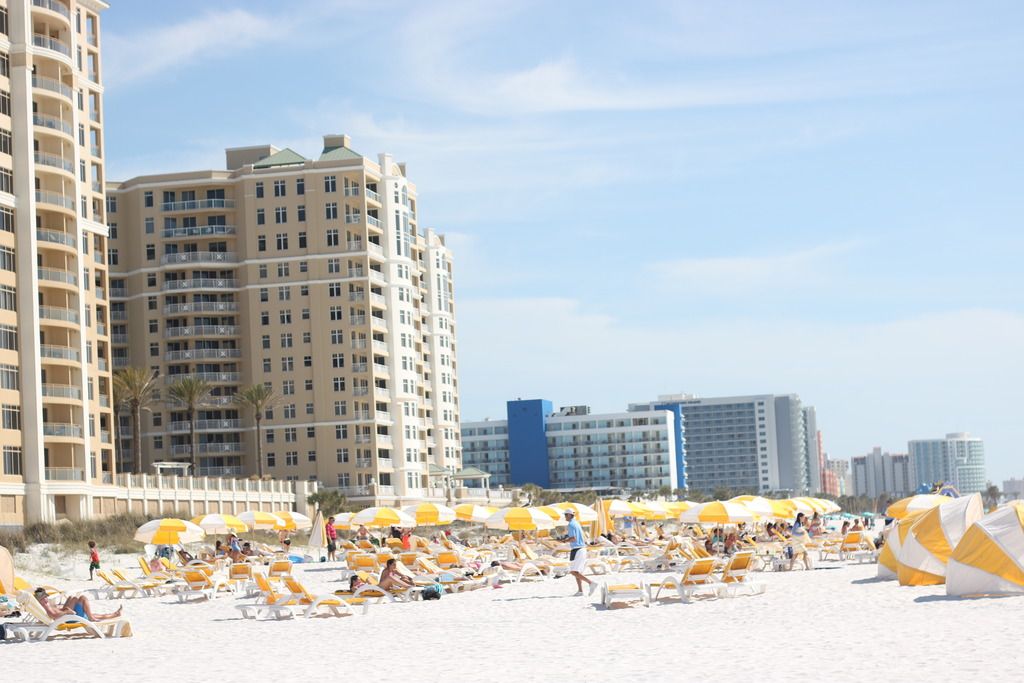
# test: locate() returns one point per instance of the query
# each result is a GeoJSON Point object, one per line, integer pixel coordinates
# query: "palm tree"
{"type": "Point", "coordinates": [135, 388]}
{"type": "Point", "coordinates": [191, 393]}
{"type": "Point", "coordinates": [258, 398]}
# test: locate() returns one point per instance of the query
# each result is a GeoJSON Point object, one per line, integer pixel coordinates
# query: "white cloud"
{"type": "Point", "coordinates": [872, 383]}
{"type": "Point", "coordinates": [147, 53]}
{"type": "Point", "coordinates": [735, 275]}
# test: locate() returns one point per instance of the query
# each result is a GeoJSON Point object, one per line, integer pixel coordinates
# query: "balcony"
{"type": "Point", "coordinates": [104, 401]}
{"type": "Point", "coordinates": [357, 320]}
{"type": "Point", "coordinates": [384, 440]}
{"type": "Point", "coordinates": [62, 429]}
{"type": "Point", "coordinates": [59, 353]}
{"type": "Point", "coordinates": [95, 151]}
{"type": "Point", "coordinates": [212, 377]}
{"type": "Point", "coordinates": [360, 391]}
{"type": "Point", "coordinates": [375, 249]}
{"type": "Point", "coordinates": [56, 237]}
{"type": "Point", "coordinates": [102, 365]}
{"type": "Point", "coordinates": [64, 474]}
{"type": "Point", "coordinates": [56, 313]}
{"type": "Point", "coordinates": [355, 245]}
{"type": "Point", "coordinates": [201, 331]}
{"type": "Point", "coordinates": [379, 323]}
{"type": "Point", "coordinates": [230, 447]}
{"type": "Point", "coordinates": [101, 329]}
{"type": "Point", "coordinates": [199, 283]}
{"type": "Point", "coordinates": [119, 292]}
{"type": "Point", "coordinates": [380, 346]}
{"type": "Point", "coordinates": [383, 416]}
{"type": "Point", "coordinates": [385, 463]}
{"type": "Point", "coordinates": [353, 218]}
{"type": "Point", "coordinates": [220, 471]}
{"type": "Point", "coordinates": [199, 257]}
{"type": "Point", "coordinates": [202, 354]}
{"type": "Point", "coordinates": [352, 191]}
{"type": "Point", "coordinates": [57, 275]}
{"type": "Point", "coordinates": [370, 194]}
{"type": "Point", "coordinates": [378, 299]}
{"type": "Point", "coordinates": [199, 231]}
{"type": "Point", "coordinates": [359, 343]}
{"type": "Point", "coordinates": [356, 272]}
{"type": "Point", "coordinates": [62, 391]}
{"type": "Point", "coordinates": [119, 315]}
{"type": "Point", "coordinates": [55, 161]}
{"type": "Point", "coordinates": [51, 44]}
{"type": "Point", "coordinates": [120, 362]}
{"type": "Point", "coordinates": [360, 367]}
{"type": "Point", "coordinates": [97, 186]}
{"type": "Point", "coordinates": [54, 6]}
{"type": "Point", "coordinates": [118, 338]}
{"type": "Point", "coordinates": [105, 436]}
{"type": "Point", "coordinates": [360, 414]}
{"type": "Point", "coordinates": [55, 199]}
{"type": "Point", "coordinates": [381, 393]}
{"type": "Point", "coordinates": [52, 85]}
{"type": "Point", "coordinates": [377, 276]}
{"type": "Point", "coordinates": [201, 307]}
{"type": "Point", "coordinates": [205, 425]}
{"type": "Point", "coordinates": [53, 123]}
{"type": "Point", "coordinates": [375, 222]}
{"type": "Point", "coordinates": [198, 205]}
{"type": "Point", "coordinates": [356, 296]}
{"type": "Point", "coordinates": [364, 463]}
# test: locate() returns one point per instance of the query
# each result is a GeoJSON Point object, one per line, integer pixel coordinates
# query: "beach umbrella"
{"type": "Point", "coordinates": [556, 515]}
{"type": "Point", "coordinates": [923, 501]}
{"type": "Point", "coordinates": [989, 559]}
{"type": "Point", "coordinates": [830, 506]}
{"type": "Point", "coordinates": [654, 510]}
{"type": "Point", "coordinates": [927, 548]}
{"type": "Point", "coordinates": [317, 532]}
{"type": "Point", "coordinates": [888, 559]}
{"type": "Point", "coordinates": [519, 519]}
{"type": "Point", "coordinates": [430, 514]}
{"type": "Point", "coordinates": [717, 512]}
{"type": "Point", "coordinates": [168, 531]}
{"type": "Point", "coordinates": [6, 571]}
{"type": "Point", "coordinates": [290, 521]}
{"type": "Point", "coordinates": [257, 519]}
{"type": "Point", "coordinates": [343, 520]}
{"type": "Point", "coordinates": [759, 505]}
{"type": "Point", "coordinates": [809, 506]}
{"type": "Point", "coordinates": [604, 523]}
{"type": "Point", "coordinates": [677, 507]}
{"type": "Point", "coordinates": [584, 513]}
{"type": "Point", "coordinates": [622, 508]}
{"type": "Point", "coordinates": [220, 524]}
{"type": "Point", "coordinates": [382, 516]}
{"type": "Point", "coordinates": [468, 512]}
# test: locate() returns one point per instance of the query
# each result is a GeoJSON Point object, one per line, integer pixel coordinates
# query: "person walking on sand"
{"type": "Point", "coordinates": [94, 558]}
{"type": "Point", "coordinates": [332, 539]}
{"type": "Point", "coordinates": [577, 553]}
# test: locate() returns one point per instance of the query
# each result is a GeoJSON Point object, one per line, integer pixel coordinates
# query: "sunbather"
{"type": "Point", "coordinates": [390, 578]}
{"type": "Point", "coordinates": [78, 605]}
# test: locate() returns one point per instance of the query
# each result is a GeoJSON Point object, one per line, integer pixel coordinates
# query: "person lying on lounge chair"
{"type": "Point", "coordinates": [355, 582]}
{"type": "Point", "coordinates": [74, 605]}
{"type": "Point", "coordinates": [390, 578]}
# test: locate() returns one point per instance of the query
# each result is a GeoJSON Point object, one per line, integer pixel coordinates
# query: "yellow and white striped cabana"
{"type": "Point", "coordinates": [932, 538]}
{"type": "Point", "coordinates": [989, 560]}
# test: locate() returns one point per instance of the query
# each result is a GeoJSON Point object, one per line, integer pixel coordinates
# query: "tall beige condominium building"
{"type": "Point", "coordinates": [55, 384]}
{"type": "Point", "coordinates": [310, 275]}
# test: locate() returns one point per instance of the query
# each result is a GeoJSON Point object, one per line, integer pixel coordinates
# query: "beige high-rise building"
{"type": "Point", "coordinates": [55, 383]}
{"type": "Point", "coordinates": [311, 275]}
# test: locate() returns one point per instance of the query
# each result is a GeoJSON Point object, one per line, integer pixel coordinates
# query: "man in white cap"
{"type": "Point", "coordinates": [577, 553]}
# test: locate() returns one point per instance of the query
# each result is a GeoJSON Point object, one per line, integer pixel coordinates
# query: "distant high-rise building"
{"type": "Point", "coordinates": [572, 449]}
{"type": "Point", "coordinates": [754, 443]}
{"type": "Point", "coordinates": [815, 453]}
{"type": "Point", "coordinates": [837, 477]}
{"type": "Point", "coordinates": [312, 276]}
{"type": "Point", "coordinates": [1013, 488]}
{"type": "Point", "coordinates": [878, 473]}
{"type": "Point", "coordinates": [958, 459]}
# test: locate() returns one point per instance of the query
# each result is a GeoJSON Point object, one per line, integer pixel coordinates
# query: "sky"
{"type": "Point", "coordinates": [715, 198]}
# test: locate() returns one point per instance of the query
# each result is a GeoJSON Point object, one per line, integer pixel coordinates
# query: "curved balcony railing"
{"type": "Point", "coordinates": [198, 204]}
{"type": "Point", "coordinates": [61, 391]}
{"type": "Point", "coordinates": [54, 161]}
{"type": "Point", "coordinates": [199, 257]}
{"type": "Point", "coordinates": [57, 275]}
{"type": "Point", "coordinates": [200, 283]}
{"type": "Point", "coordinates": [54, 6]}
{"type": "Point", "coordinates": [56, 199]}
{"type": "Point", "coordinates": [53, 123]}
{"type": "Point", "coordinates": [199, 231]}
{"type": "Point", "coordinates": [51, 44]}
{"type": "Point", "coordinates": [59, 352]}
{"type": "Point", "coordinates": [202, 354]}
{"type": "Point", "coordinates": [201, 307]}
{"type": "Point", "coordinates": [60, 429]}
{"type": "Point", "coordinates": [231, 447]}
{"type": "Point", "coordinates": [53, 85]}
{"type": "Point", "coordinates": [57, 313]}
{"type": "Point", "coordinates": [56, 237]}
{"type": "Point", "coordinates": [64, 474]}
{"type": "Point", "coordinates": [205, 425]}
{"type": "Point", "coordinates": [213, 377]}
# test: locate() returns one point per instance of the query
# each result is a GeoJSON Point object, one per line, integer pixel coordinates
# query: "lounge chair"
{"type": "Point", "coordinates": [43, 627]}
{"type": "Point", "coordinates": [334, 605]}
{"type": "Point", "coordinates": [240, 579]}
{"type": "Point", "coordinates": [736, 575]}
{"type": "Point", "coordinates": [270, 602]}
{"type": "Point", "coordinates": [198, 586]}
{"type": "Point", "coordinates": [121, 588]}
{"type": "Point", "coordinates": [625, 592]}
{"type": "Point", "coordinates": [698, 577]}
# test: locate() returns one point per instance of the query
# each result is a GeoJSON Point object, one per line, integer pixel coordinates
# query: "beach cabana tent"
{"type": "Point", "coordinates": [888, 562]}
{"type": "Point", "coordinates": [932, 538]}
{"type": "Point", "coordinates": [989, 560]}
{"type": "Point", "coordinates": [923, 501]}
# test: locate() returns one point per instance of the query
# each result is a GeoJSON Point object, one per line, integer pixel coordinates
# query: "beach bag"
{"type": "Point", "coordinates": [433, 592]}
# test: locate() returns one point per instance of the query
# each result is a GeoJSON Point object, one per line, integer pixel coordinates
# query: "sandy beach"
{"type": "Point", "coordinates": [834, 623]}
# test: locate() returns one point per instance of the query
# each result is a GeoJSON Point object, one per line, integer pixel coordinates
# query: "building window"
{"type": "Point", "coordinates": [6, 219]}
{"type": "Point", "coordinates": [331, 211]}
{"type": "Point", "coordinates": [302, 240]}
{"type": "Point", "coordinates": [261, 218]}
{"type": "Point", "coordinates": [302, 213]}
{"type": "Point", "coordinates": [259, 190]}
{"type": "Point", "coordinates": [147, 199]}
{"type": "Point", "coordinates": [280, 215]}
{"type": "Point", "coordinates": [300, 186]}
{"type": "Point", "coordinates": [279, 188]}
{"type": "Point", "coordinates": [8, 298]}
{"type": "Point", "coordinates": [261, 243]}
{"type": "Point", "coordinates": [9, 377]}
{"type": "Point", "coordinates": [330, 183]}
{"type": "Point", "coordinates": [332, 238]}
{"type": "Point", "coordinates": [286, 340]}
{"type": "Point", "coordinates": [282, 241]}
{"type": "Point", "coordinates": [11, 416]}
{"type": "Point", "coordinates": [12, 454]}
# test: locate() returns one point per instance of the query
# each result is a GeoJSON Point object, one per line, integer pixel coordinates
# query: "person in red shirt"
{"type": "Point", "coordinates": [94, 558]}
{"type": "Point", "coordinates": [332, 539]}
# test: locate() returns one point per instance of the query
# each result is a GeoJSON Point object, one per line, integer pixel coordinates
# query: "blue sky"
{"type": "Point", "coordinates": [715, 197]}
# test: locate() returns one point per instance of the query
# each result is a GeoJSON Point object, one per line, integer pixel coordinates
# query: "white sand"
{"type": "Point", "coordinates": [833, 623]}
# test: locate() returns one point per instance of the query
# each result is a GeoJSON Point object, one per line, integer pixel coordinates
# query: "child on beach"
{"type": "Point", "coordinates": [94, 558]}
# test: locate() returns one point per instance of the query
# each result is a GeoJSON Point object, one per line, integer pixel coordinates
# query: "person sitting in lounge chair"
{"type": "Point", "coordinates": [390, 578]}
{"type": "Point", "coordinates": [74, 605]}
{"type": "Point", "coordinates": [355, 582]}
{"type": "Point", "coordinates": [247, 550]}
{"type": "Point", "coordinates": [185, 557]}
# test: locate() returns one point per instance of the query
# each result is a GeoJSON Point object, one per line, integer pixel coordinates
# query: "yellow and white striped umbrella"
{"type": "Point", "coordinates": [717, 512]}
{"type": "Point", "coordinates": [621, 508]}
{"type": "Point", "coordinates": [168, 531]}
{"type": "Point", "coordinates": [829, 506]}
{"type": "Point", "coordinates": [468, 512]}
{"type": "Point", "coordinates": [678, 507]}
{"type": "Point", "coordinates": [924, 501]}
{"type": "Point", "coordinates": [519, 519]}
{"type": "Point", "coordinates": [808, 506]}
{"type": "Point", "coordinates": [584, 513]}
{"type": "Point", "coordinates": [382, 516]}
{"type": "Point", "coordinates": [653, 509]}
{"type": "Point", "coordinates": [759, 505]}
{"type": "Point", "coordinates": [343, 520]}
{"type": "Point", "coordinates": [220, 524]}
{"type": "Point", "coordinates": [290, 521]}
{"type": "Point", "coordinates": [430, 514]}
{"type": "Point", "coordinates": [257, 519]}
{"type": "Point", "coordinates": [556, 515]}
{"type": "Point", "coordinates": [989, 559]}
